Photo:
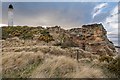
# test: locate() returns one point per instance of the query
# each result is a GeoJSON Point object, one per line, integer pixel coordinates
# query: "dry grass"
{"type": "Point", "coordinates": [20, 64]}
{"type": "Point", "coordinates": [88, 72]}
{"type": "Point", "coordinates": [40, 65]}
{"type": "Point", "coordinates": [65, 67]}
{"type": "Point", "coordinates": [49, 62]}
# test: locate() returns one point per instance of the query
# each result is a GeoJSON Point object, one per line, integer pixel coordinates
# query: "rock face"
{"type": "Point", "coordinates": [93, 38]}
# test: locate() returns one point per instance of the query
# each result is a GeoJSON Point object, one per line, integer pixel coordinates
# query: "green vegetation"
{"type": "Point", "coordinates": [25, 32]}
{"type": "Point", "coordinates": [45, 36]}
{"type": "Point", "coordinates": [114, 67]}
{"type": "Point", "coordinates": [106, 58]}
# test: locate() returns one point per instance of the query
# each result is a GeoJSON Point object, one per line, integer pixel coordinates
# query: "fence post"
{"type": "Point", "coordinates": [77, 56]}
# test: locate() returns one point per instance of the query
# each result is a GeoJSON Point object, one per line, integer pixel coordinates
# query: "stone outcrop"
{"type": "Point", "coordinates": [93, 38]}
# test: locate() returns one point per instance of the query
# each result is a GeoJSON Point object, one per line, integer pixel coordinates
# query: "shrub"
{"type": "Point", "coordinates": [57, 44]}
{"type": "Point", "coordinates": [105, 58]}
{"type": "Point", "coordinates": [27, 35]}
{"type": "Point", "coordinates": [44, 32]}
{"type": "Point", "coordinates": [23, 32]}
{"type": "Point", "coordinates": [68, 43]}
{"type": "Point", "coordinates": [45, 36]}
{"type": "Point", "coordinates": [114, 67]}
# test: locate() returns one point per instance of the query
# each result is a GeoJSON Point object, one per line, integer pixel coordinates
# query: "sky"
{"type": "Point", "coordinates": [65, 14]}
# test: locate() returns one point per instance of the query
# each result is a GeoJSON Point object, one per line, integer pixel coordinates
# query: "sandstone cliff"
{"type": "Point", "coordinates": [91, 38]}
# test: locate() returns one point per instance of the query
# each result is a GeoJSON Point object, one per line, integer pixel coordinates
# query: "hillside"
{"type": "Point", "coordinates": [53, 52]}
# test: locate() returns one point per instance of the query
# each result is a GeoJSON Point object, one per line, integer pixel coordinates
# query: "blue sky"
{"type": "Point", "coordinates": [70, 14]}
{"type": "Point", "coordinates": [65, 14]}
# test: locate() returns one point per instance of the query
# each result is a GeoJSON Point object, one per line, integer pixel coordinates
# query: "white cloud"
{"type": "Point", "coordinates": [112, 20]}
{"type": "Point", "coordinates": [3, 25]}
{"type": "Point", "coordinates": [111, 24]}
{"type": "Point", "coordinates": [97, 9]}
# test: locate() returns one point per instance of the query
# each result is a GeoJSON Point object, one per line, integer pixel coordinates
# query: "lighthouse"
{"type": "Point", "coordinates": [10, 15]}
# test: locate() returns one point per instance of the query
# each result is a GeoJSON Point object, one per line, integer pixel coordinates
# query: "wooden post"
{"type": "Point", "coordinates": [77, 56]}
{"type": "Point", "coordinates": [83, 46]}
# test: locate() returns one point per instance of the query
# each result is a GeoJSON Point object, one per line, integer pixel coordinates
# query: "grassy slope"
{"type": "Point", "coordinates": [30, 64]}
{"type": "Point", "coordinates": [46, 64]}
{"type": "Point", "coordinates": [48, 61]}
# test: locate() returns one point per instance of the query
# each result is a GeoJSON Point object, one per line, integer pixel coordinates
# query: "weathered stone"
{"type": "Point", "coordinates": [93, 39]}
